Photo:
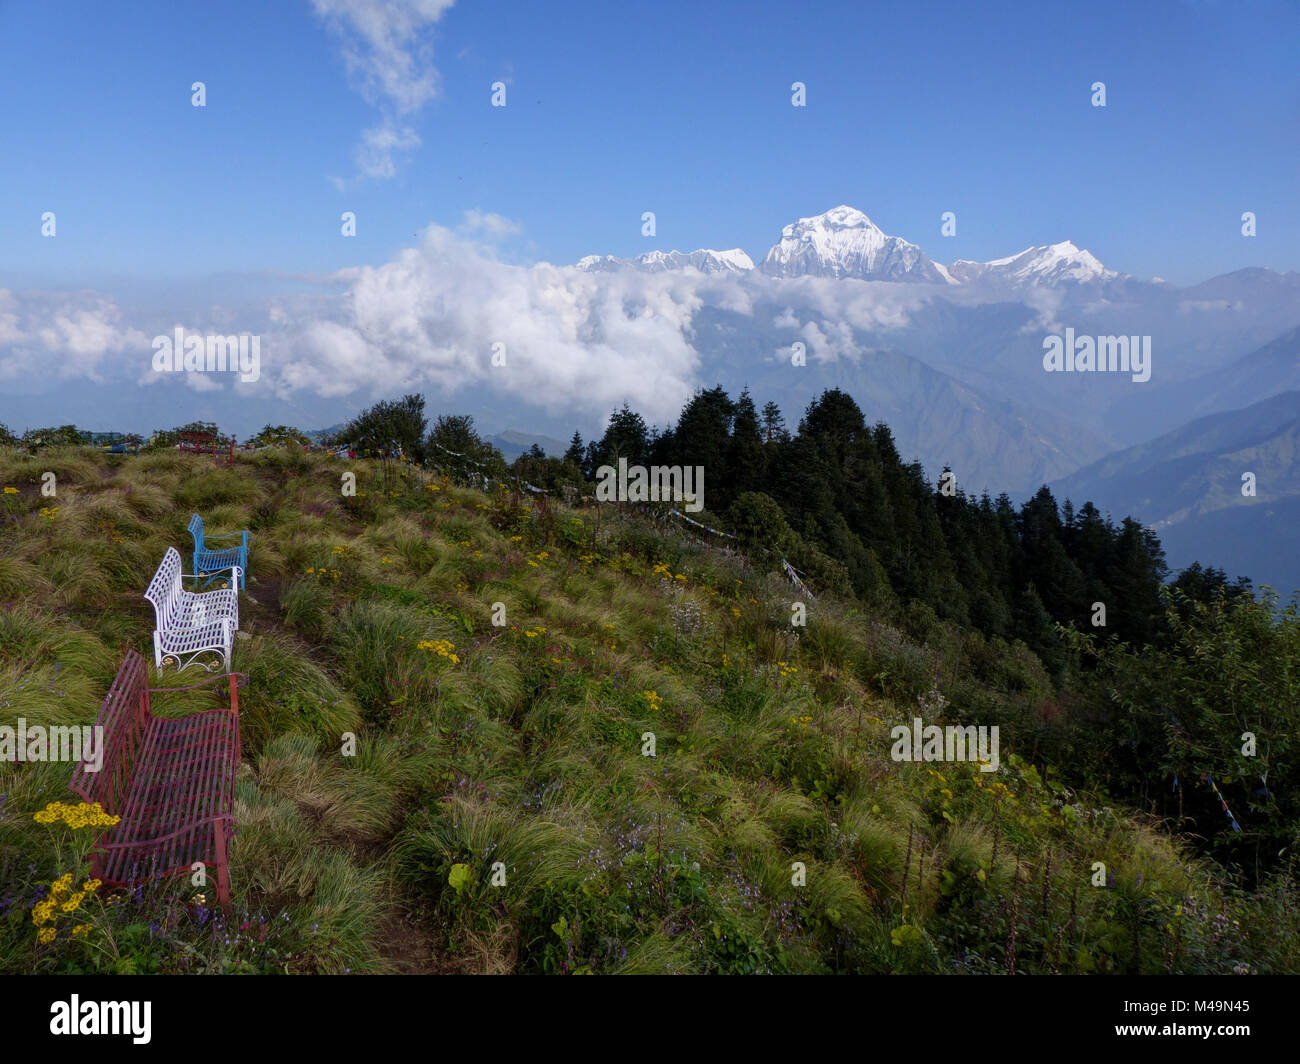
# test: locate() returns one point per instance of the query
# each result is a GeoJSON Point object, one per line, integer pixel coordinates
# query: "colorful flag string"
{"type": "Point", "coordinates": [1210, 780]}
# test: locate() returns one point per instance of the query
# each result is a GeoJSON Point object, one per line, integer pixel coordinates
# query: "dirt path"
{"type": "Point", "coordinates": [405, 946]}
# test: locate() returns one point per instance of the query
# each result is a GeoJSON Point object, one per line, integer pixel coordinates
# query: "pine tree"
{"type": "Point", "coordinates": [746, 462]}
{"type": "Point", "coordinates": [773, 424]}
{"type": "Point", "coordinates": [625, 436]}
{"type": "Point", "coordinates": [576, 451]}
{"type": "Point", "coordinates": [702, 435]}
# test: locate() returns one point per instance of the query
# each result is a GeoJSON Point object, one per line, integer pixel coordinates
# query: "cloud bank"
{"type": "Point", "coordinates": [449, 317]}
{"type": "Point", "coordinates": [62, 336]}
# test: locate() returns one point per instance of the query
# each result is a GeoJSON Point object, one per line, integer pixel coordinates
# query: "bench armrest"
{"type": "Point", "coordinates": [228, 535]}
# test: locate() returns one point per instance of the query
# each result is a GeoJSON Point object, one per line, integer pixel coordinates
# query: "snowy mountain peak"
{"type": "Point", "coordinates": [844, 242]}
{"type": "Point", "coordinates": [1050, 264]}
{"type": "Point", "coordinates": [841, 217]}
{"type": "Point", "coordinates": [705, 260]}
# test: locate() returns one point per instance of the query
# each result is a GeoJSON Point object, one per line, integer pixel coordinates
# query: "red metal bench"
{"type": "Point", "coordinates": [206, 443]}
{"type": "Point", "coordinates": [171, 780]}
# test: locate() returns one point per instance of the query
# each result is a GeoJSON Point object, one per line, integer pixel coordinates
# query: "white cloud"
{"type": "Point", "coordinates": [375, 154]}
{"type": "Point", "coordinates": [831, 340]}
{"type": "Point", "coordinates": [865, 304]}
{"type": "Point", "coordinates": [203, 382]}
{"type": "Point", "coordinates": [62, 336]}
{"type": "Point", "coordinates": [389, 59]}
{"type": "Point", "coordinates": [1046, 303]}
{"type": "Point", "coordinates": [573, 341]}
{"type": "Point", "coordinates": [491, 225]}
{"type": "Point", "coordinates": [384, 47]}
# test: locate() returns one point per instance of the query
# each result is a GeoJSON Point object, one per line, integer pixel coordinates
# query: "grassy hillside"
{"type": "Point", "coordinates": [521, 745]}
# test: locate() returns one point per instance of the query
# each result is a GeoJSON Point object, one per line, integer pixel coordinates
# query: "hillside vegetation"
{"type": "Point", "coordinates": [521, 745]}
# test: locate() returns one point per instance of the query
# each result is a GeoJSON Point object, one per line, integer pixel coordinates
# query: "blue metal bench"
{"type": "Point", "coordinates": [209, 562]}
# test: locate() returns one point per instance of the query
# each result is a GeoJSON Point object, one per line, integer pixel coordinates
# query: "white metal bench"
{"type": "Point", "coordinates": [190, 624]}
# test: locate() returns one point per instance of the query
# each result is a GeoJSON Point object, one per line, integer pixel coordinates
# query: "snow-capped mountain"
{"type": "Point", "coordinates": [844, 242]}
{"type": "Point", "coordinates": [1051, 264]}
{"type": "Point", "coordinates": [704, 260]}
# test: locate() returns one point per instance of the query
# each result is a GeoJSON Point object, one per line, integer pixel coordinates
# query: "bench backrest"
{"type": "Point", "coordinates": [164, 589]}
{"type": "Point", "coordinates": [124, 718]}
{"type": "Point", "coordinates": [196, 530]}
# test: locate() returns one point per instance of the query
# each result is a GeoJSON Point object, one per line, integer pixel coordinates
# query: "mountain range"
{"type": "Point", "coordinates": [844, 243]}
{"type": "Point", "coordinates": [951, 357]}
{"type": "Point", "coordinates": [1222, 489]}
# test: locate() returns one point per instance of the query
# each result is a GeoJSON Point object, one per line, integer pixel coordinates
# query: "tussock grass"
{"type": "Point", "coordinates": [376, 646]}
{"type": "Point", "coordinates": [534, 850]}
{"type": "Point", "coordinates": [20, 577]}
{"type": "Point", "coordinates": [307, 603]}
{"type": "Point", "coordinates": [287, 691]}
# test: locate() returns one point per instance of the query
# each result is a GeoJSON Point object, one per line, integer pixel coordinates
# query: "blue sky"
{"type": "Point", "coordinates": [226, 218]}
{"type": "Point", "coordinates": [679, 108]}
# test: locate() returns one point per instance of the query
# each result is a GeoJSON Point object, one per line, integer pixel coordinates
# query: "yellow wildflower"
{"type": "Point", "coordinates": [442, 647]}
{"type": "Point", "coordinates": [80, 815]}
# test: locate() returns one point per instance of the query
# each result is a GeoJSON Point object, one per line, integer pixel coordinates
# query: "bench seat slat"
{"type": "Point", "coordinates": [171, 785]}
{"type": "Point", "coordinates": [169, 779]}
